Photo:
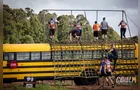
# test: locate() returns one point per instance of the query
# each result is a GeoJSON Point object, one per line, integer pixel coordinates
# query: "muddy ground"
{"type": "Point", "coordinates": [70, 85]}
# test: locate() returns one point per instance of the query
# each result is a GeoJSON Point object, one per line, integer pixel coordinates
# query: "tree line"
{"type": "Point", "coordinates": [24, 26]}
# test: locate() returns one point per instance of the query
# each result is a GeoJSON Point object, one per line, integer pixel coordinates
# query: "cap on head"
{"type": "Point", "coordinates": [95, 21]}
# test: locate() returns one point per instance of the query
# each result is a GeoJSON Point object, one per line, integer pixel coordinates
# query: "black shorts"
{"type": "Point", "coordinates": [103, 74]}
{"type": "Point", "coordinates": [52, 32]}
{"type": "Point", "coordinates": [104, 31]}
{"type": "Point", "coordinates": [74, 33]}
{"type": "Point", "coordinates": [95, 33]}
{"type": "Point", "coordinates": [108, 73]}
{"type": "Point", "coordinates": [79, 33]}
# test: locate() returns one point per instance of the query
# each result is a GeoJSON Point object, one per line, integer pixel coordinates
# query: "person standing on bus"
{"type": "Point", "coordinates": [96, 28]}
{"type": "Point", "coordinates": [104, 28]}
{"type": "Point", "coordinates": [108, 71]}
{"type": "Point", "coordinates": [113, 54]}
{"type": "Point", "coordinates": [102, 72]}
{"type": "Point", "coordinates": [52, 27]}
{"type": "Point", "coordinates": [123, 28]}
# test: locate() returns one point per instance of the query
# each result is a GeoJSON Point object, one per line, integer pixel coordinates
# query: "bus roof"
{"type": "Point", "coordinates": [26, 47]}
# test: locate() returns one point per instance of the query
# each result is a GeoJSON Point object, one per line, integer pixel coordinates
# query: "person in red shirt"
{"type": "Point", "coordinates": [123, 28]}
{"type": "Point", "coordinates": [96, 28]}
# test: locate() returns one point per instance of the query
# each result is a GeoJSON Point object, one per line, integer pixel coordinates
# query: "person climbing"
{"type": "Point", "coordinates": [113, 54]}
{"type": "Point", "coordinates": [123, 28]}
{"type": "Point", "coordinates": [74, 33]}
{"type": "Point", "coordinates": [77, 32]}
{"type": "Point", "coordinates": [108, 72]}
{"type": "Point", "coordinates": [102, 72]}
{"type": "Point", "coordinates": [79, 28]}
{"type": "Point", "coordinates": [104, 28]}
{"type": "Point", "coordinates": [53, 27]}
{"type": "Point", "coordinates": [96, 28]}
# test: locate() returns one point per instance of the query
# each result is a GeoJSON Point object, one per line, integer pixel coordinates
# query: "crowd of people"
{"type": "Point", "coordinates": [97, 28]}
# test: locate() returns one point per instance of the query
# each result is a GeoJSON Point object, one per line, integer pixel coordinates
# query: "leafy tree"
{"type": "Point", "coordinates": [24, 26]}
{"type": "Point", "coordinates": [37, 30]}
{"type": "Point", "coordinates": [27, 39]}
{"type": "Point", "coordinates": [29, 11]}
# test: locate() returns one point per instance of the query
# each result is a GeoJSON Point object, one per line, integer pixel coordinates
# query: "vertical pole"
{"type": "Point", "coordinates": [71, 17]}
{"type": "Point", "coordinates": [127, 24]}
{"type": "Point", "coordinates": [44, 25]}
{"type": "Point", "coordinates": [122, 14]}
{"type": "Point", "coordinates": [97, 15]}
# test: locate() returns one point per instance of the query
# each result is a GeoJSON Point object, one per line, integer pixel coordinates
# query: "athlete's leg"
{"type": "Point", "coordinates": [110, 79]}
{"type": "Point", "coordinates": [121, 33]}
{"type": "Point", "coordinates": [124, 31]}
{"type": "Point", "coordinates": [115, 62]}
{"type": "Point", "coordinates": [70, 37]}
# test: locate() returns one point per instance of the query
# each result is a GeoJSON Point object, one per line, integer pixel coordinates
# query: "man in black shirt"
{"type": "Point", "coordinates": [113, 54]}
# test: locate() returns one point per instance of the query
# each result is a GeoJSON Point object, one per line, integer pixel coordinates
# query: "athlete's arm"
{"type": "Point", "coordinates": [100, 69]}
{"type": "Point", "coordinates": [56, 27]}
{"type": "Point", "coordinates": [105, 68]}
{"type": "Point", "coordinates": [119, 24]}
{"type": "Point", "coordinates": [110, 50]}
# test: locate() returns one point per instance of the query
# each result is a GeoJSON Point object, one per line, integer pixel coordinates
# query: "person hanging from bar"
{"type": "Point", "coordinates": [113, 54]}
{"type": "Point", "coordinates": [104, 28]}
{"type": "Point", "coordinates": [96, 28]}
{"type": "Point", "coordinates": [123, 28]}
{"type": "Point", "coordinates": [53, 27]}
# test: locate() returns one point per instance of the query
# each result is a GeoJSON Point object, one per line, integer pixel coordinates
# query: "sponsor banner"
{"type": "Point", "coordinates": [125, 79]}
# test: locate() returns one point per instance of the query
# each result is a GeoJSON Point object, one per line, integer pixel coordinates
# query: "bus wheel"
{"type": "Point", "coordinates": [77, 81]}
{"type": "Point", "coordinates": [89, 81]}
{"type": "Point", "coordinates": [89, 77]}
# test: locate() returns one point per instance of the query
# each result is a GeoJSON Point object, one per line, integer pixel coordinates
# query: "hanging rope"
{"type": "Point", "coordinates": [86, 26]}
{"type": "Point", "coordinates": [127, 24]}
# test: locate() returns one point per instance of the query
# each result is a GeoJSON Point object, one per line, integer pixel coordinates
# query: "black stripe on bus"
{"type": "Point", "coordinates": [41, 72]}
{"type": "Point", "coordinates": [73, 65]}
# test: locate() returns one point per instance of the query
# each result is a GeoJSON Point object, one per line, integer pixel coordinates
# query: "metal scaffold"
{"type": "Point", "coordinates": [81, 59]}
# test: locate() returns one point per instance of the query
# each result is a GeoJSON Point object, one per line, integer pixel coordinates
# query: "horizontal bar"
{"type": "Point", "coordinates": [82, 10]}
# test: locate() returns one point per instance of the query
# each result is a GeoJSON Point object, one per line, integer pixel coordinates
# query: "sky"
{"type": "Point", "coordinates": [113, 18]}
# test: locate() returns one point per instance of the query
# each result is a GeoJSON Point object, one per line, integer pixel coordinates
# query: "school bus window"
{"type": "Point", "coordinates": [97, 54]}
{"type": "Point", "coordinates": [120, 54]}
{"type": "Point", "coordinates": [46, 55]}
{"type": "Point", "coordinates": [78, 54]}
{"type": "Point", "coordinates": [132, 54]}
{"type": "Point", "coordinates": [23, 56]}
{"type": "Point", "coordinates": [35, 56]}
{"type": "Point", "coordinates": [11, 56]}
{"type": "Point", "coordinates": [57, 55]}
{"type": "Point", "coordinates": [6, 56]}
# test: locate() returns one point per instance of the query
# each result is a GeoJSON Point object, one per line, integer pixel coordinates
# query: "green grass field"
{"type": "Point", "coordinates": [38, 87]}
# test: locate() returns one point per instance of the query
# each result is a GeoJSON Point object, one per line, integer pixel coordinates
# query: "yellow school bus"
{"type": "Point", "coordinates": [79, 62]}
